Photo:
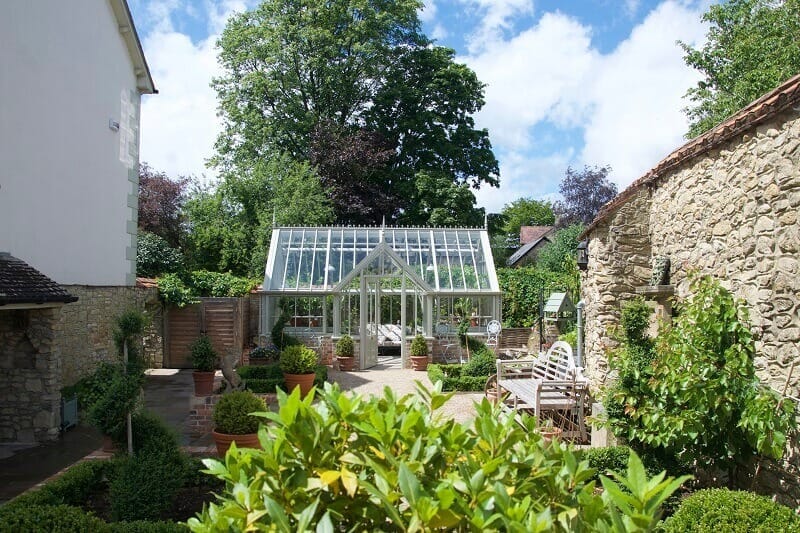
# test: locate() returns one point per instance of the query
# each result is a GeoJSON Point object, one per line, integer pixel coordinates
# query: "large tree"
{"type": "Point", "coordinates": [349, 84]}
{"type": "Point", "coordinates": [160, 204]}
{"type": "Point", "coordinates": [751, 47]}
{"type": "Point", "coordinates": [585, 192]}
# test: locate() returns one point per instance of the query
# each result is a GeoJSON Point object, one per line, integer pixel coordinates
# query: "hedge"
{"type": "Point", "coordinates": [452, 380]}
{"type": "Point", "coordinates": [717, 510]}
{"type": "Point", "coordinates": [265, 379]}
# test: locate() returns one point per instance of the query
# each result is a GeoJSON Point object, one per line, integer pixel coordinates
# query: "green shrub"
{"type": "Point", "coordinates": [320, 376]}
{"type": "Point", "coordinates": [202, 354]}
{"type": "Point", "coordinates": [419, 347]}
{"type": "Point", "coordinates": [145, 485]}
{"type": "Point", "coordinates": [408, 468]}
{"type": "Point", "coordinates": [154, 256]}
{"type": "Point", "coordinates": [149, 433]}
{"type": "Point", "coordinates": [521, 287]}
{"type": "Point", "coordinates": [264, 386]}
{"type": "Point", "coordinates": [232, 413]}
{"type": "Point", "coordinates": [298, 359]}
{"type": "Point", "coordinates": [280, 339]}
{"type": "Point", "coordinates": [172, 290]}
{"type": "Point", "coordinates": [345, 346]}
{"type": "Point", "coordinates": [220, 284]}
{"type": "Point", "coordinates": [718, 510]}
{"type": "Point", "coordinates": [482, 363]}
{"type": "Point", "coordinates": [142, 526]}
{"type": "Point", "coordinates": [49, 519]}
{"type": "Point", "coordinates": [90, 388]}
{"type": "Point", "coordinates": [260, 372]}
{"type": "Point", "coordinates": [71, 488]}
{"type": "Point", "coordinates": [129, 327]}
{"type": "Point", "coordinates": [109, 412]}
{"type": "Point", "coordinates": [452, 378]}
{"type": "Point", "coordinates": [728, 419]}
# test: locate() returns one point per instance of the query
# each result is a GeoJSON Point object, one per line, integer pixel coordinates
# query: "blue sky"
{"type": "Point", "coordinates": [598, 82]}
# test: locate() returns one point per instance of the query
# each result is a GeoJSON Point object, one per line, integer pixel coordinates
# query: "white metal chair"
{"type": "Point", "coordinates": [493, 329]}
{"type": "Point", "coordinates": [448, 343]}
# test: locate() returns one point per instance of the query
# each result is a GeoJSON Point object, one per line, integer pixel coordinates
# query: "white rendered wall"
{"type": "Point", "coordinates": [67, 191]}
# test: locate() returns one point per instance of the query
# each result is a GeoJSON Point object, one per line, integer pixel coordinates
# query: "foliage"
{"type": "Point", "coordinates": [298, 359]}
{"type": "Point", "coordinates": [714, 510]}
{"type": "Point", "coordinates": [731, 416]}
{"type": "Point", "coordinates": [561, 253]}
{"type": "Point", "coordinates": [71, 488]}
{"type": "Point", "coordinates": [202, 354]}
{"type": "Point", "coordinates": [419, 347]}
{"type": "Point", "coordinates": [233, 413]}
{"type": "Point", "coordinates": [520, 212]}
{"type": "Point", "coordinates": [160, 205]}
{"type": "Point", "coordinates": [127, 331]}
{"type": "Point", "coordinates": [154, 256]}
{"type": "Point", "coordinates": [269, 353]}
{"type": "Point", "coordinates": [521, 287]}
{"type": "Point", "coordinates": [359, 92]}
{"type": "Point", "coordinates": [482, 363]}
{"type": "Point", "coordinates": [49, 519]}
{"type": "Point", "coordinates": [584, 191]}
{"type": "Point", "coordinates": [260, 372]}
{"type": "Point", "coordinates": [279, 338]}
{"type": "Point", "coordinates": [345, 346]}
{"type": "Point", "coordinates": [150, 434]}
{"type": "Point", "coordinates": [571, 338]}
{"type": "Point", "coordinates": [615, 458]}
{"type": "Point", "coordinates": [173, 290]}
{"type": "Point", "coordinates": [268, 378]}
{"type": "Point", "coordinates": [750, 48]}
{"type": "Point", "coordinates": [346, 462]}
{"type": "Point", "coordinates": [108, 414]}
{"type": "Point", "coordinates": [441, 202]}
{"type": "Point", "coordinates": [144, 526]}
{"type": "Point", "coordinates": [452, 378]}
{"type": "Point", "coordinates": [145, 484]}
{"type": "Point", "coordinates": [632, 363]}
{"type": "Point", "coordinates": [90, 388]}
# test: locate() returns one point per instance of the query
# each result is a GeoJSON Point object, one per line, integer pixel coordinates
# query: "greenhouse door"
{"type": "Point", "coordinates": [370, 320]}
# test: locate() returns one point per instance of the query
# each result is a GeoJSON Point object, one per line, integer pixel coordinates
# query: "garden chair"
{"type": "Point", "coordinates": [493, 329]}
{"type": "Point", "coordinates": [447, 341]}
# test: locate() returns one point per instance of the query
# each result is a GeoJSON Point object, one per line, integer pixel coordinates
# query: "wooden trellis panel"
{"type": "Point", "coordinates": [223, 319]}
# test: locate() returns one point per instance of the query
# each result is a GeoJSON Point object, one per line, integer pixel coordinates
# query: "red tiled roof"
{"type": "Point", "coordinates": [532, 233]}
{"type": "Point", "coordinates": [749, 117]}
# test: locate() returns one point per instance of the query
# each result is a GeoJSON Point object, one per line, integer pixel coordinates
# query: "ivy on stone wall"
{"type": "Point", "coordinates": [521, 287]}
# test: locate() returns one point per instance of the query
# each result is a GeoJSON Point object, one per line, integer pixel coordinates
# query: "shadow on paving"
{"type": "Point", "coordinates": [168, 394]}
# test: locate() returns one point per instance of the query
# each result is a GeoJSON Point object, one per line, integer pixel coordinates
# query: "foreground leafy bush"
{"type": "Point", "coordinates": [49, 519]}
{"type": "Point", "coordinates": [145, 526]}
{"type": "Point", "coordinates": [346, 462]}
{"type": "Point", "coordinates": [717, 510]}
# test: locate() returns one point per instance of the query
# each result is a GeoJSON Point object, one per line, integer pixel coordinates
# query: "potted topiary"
{"type": "Point", "coordinates": [233, 421]}
{"type": "Point", "coordinates": [345, 348]}
{"type": "Point", "coordinates": [419, 353]}
{"type": "Point", "coordinates": [203, 359]}
{"type": "Point", "coordinates": [299, 365]}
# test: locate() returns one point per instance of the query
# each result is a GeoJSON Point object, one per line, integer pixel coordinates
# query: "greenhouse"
{"type": "Point", "coordinates": [381, 285]}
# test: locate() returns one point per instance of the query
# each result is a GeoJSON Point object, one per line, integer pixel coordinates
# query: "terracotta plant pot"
{"type": "Point", "coordinates": [108, 444]}
{"type": "Point", "coordinates": [203, 383]}
{"type": "Point", "coordinates": [550, 433]}
{"type": "Point", "coordinates": [304, 381]}
{"type": "Point", "coordinates": [224, 440]}
{"type": "Point", "coordinates": [346, 363]}
{"type": "Point", "coordinates": [419, 362]}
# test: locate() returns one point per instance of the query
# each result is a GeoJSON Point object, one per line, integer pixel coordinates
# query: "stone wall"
{"type": "Point", "coordinates": [731, 212]}
{"type": "Point", "coordinates": [87, 325]}
{"type": "Point", "coordinates": [619, 261]}
{"type": "Point", "coordinates": [30, 389]}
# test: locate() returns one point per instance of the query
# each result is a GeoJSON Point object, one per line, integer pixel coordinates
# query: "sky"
{"type": "Point", "coordinates": [568, 83]}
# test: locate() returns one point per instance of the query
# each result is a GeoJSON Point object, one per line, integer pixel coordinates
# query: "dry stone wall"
{"type": "Point", "coordinates": [732, 213]}
{"type": "Point", "coordinates": [30, 394]}
{"type": "Point", "coordinates": [87, 326]}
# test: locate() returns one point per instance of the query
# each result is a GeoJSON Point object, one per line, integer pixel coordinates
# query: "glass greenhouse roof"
{"type": "Point", "coordinates": [452, 260]}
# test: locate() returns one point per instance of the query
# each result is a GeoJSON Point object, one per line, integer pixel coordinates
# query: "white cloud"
{"type": "Point", "coordinates": [627, 103]}
{"type": "Point", "coordinates": [439, 33]}
{"type": "Point", "coordinates": [428, 12]}
{"type": "Point", "coordinates": [497, 17]}
{"type": "Point", "coordinates": [180, 124]}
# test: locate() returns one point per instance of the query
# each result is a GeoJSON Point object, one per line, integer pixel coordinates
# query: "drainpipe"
{"type": "Point", "coordinates": [579, 361]}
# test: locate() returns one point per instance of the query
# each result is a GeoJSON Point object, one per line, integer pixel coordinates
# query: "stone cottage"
{"type": "Point", "coordinates": [725, 203]}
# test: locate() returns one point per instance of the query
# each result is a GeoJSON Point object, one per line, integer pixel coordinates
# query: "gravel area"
{"type": "Point", "coordinates": [388, 373]}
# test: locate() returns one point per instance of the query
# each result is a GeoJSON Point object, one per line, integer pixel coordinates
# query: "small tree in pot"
{"type": "Point", "coordinates": [299, 365]}
{"type": "Point", "coordinates": [234, 422]}
{"type": "Point", "coordinates": [203, 359]}
{"type": "Point", "coordinates": [419, 353]}
{"type": "Point", "coordinates": [345, 348]}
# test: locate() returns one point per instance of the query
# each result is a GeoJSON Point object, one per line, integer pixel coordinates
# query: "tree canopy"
{"type": "Point", "coordinates": [358, 91]}
{"type": "Point", "coordinates": [160, 202]}
{"type": "Point", "coordinates": [585, 192]}
{"type": "Point", "coordinates": [751, 48]}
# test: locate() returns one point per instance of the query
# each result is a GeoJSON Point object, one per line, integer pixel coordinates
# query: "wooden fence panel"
{"type": "Point", "coordinates": [223, 319]}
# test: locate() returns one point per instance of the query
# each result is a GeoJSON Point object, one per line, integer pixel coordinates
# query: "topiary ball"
{"type": "Point", "coordinates": [232, 413]}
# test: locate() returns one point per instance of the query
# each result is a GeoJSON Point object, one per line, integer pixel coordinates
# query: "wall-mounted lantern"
{"type": "Point", "coordinates": [583, 255]}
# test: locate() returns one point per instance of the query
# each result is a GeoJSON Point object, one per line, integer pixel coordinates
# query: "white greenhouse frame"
{"type": "Point", "coordinates": [337, 280]}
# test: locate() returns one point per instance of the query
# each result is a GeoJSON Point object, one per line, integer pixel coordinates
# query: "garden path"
{"type": "Point", "coordinates": [389, 373]}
